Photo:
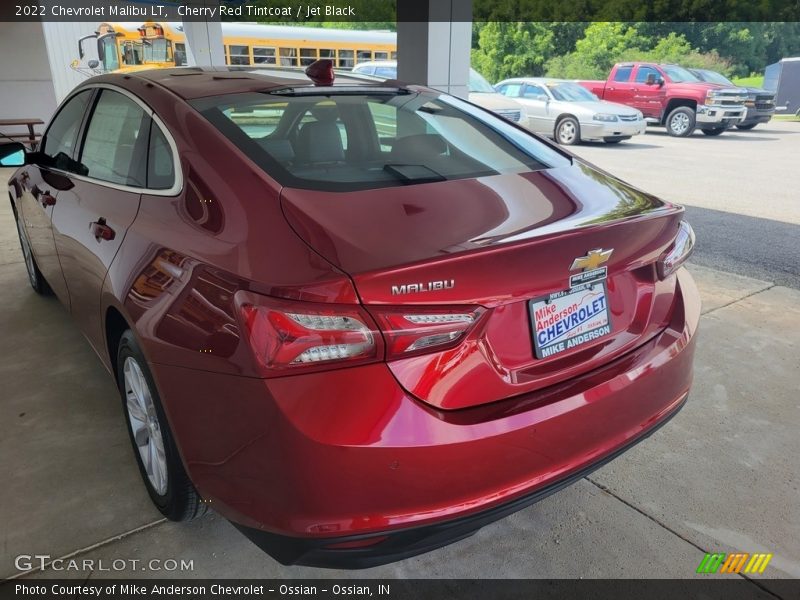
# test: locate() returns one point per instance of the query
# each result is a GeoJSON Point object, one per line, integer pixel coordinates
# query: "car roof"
{"type": "Point", "coordinates": [198, 82]}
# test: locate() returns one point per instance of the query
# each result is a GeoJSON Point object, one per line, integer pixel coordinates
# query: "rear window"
{"type": "Point", "coordinates": [353, 141]}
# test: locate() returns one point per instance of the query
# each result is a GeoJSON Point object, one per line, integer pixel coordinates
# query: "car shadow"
{"type": "Point", "coordinates": [629, 145]}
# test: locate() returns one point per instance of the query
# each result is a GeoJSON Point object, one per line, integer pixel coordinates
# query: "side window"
{"type": "Point", "coordinates": [384, 115]}
{"type": "Point", "coordinates": [114, 148]}
{"type": "Point", "coordinates": [623, 73]}
{"type": "Point", "coordinates": [388, 72]}
{"type": "Point", "coordinates": [643, 72]}
{"type": "Point", "coordinates": [534, 92]}
{"type": "Point", "coordinates": [510, 89]}
{"type": "Point", "coordinates": [63, 131]}
{"type": "Point", "coordinates": [160, 167]}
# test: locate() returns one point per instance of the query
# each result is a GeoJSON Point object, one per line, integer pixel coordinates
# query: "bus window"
{"type": "Point", "coordinates": [364, 56]}
{"type": "Point", "coordinates": [157, 50]}
{"type": "Point", "coordinates": [132, 53]}
{"type": "Point", "coordinates": [180, 54]}
{"type": "Point", "coordinates": [108, 53]}
{"type": "Point", "coordinates": [307, 56]}
{"type": "Point", "coordinates": [381, 55]}
{"type": "Point", "coordinates": [346, 59]}
{"type": "Point", "coordinates": [264, 56]}
{"type": "Point", "coordinates": [288, 57]}
{"type": "Point", "coordinates": [328, 53]}
{"type": "Point", "coordinates": [240, 55]}
{"type": "Point", "coordinates": [394, 55]}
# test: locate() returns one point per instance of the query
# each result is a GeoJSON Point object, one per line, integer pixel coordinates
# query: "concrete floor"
{"type": "Point", "coordinates": [721, 477]}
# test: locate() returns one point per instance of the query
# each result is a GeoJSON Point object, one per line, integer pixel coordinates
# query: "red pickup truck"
{"type": "Point", "coordinates": [672, 96]}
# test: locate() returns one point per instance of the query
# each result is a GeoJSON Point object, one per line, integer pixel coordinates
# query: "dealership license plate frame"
{"type": "Point", "coordinates": [563, 295]}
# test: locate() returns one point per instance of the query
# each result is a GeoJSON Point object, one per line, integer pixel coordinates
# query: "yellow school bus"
{"type": "Point", "coordinates": [128, 47]}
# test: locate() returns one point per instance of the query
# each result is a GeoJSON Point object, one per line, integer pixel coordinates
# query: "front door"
{"type": "Point", "coordinates": [38, 187]}
{"type": "Point", "coordinates": [648, 95]}
{"type": "Point", "coordinates": [94, 215]}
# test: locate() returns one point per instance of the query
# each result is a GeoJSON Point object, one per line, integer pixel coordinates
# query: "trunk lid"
{"type": "Point", "coordinates": [499, 242]}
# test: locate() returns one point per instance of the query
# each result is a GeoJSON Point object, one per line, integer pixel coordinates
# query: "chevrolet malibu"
{"type": "Point", "coordinates": [359, 320]}
{"type": "Point", "coordinates": [570, 113]}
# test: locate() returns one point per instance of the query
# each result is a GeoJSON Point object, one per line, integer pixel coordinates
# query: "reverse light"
{"type": "Point", "coordinates": [288, 336]}
{"type": "Point", "coordinates": [415, 330]}
{"type": "Point", "coordinates": [678, 252]}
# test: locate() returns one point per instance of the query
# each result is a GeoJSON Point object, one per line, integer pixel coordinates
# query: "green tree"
{"type": "Point", "coordinates": [512, 49]}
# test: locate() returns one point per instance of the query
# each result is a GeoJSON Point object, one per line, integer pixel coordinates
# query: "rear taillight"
{"type": "Point", "coordinates": [417, 330]}
{"type": "Point", "coordinates": [678, 252]}
{"type": "Point", "coordinates": [291, 336]}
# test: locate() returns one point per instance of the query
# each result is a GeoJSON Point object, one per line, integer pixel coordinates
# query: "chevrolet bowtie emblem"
{"type": "Point", "coordinates": [592, 260]}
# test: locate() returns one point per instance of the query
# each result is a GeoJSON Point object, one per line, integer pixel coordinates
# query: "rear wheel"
{"type": "Point", "coordinates": [568, 131]}
{"type": "Point", "coordinates": [156, 454]}
{"type": "Point", "coordinates": [715, 131]}
{"type": "Point", "coordinates": [38, 282]}
{"type": "Point", "coordinates": [681, 122]}
{"type": "Point", "coordinates": [747, 127]}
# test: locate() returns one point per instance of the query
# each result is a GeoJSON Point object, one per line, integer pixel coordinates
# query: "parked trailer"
{"type": "Point", "coordinates": [783, 78]}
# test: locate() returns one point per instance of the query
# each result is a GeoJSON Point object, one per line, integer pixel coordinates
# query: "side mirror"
{"type": "Point", "coordinates": [660, 82]}
{"type": "Point", "coordinates": [12, 155]}
{"type": "Point", "coordinates": [93, 64]}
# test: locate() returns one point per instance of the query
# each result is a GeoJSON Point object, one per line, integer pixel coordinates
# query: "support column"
{"type": "Point", "coordinates": [204, 47]}
{"type": "Point", "coordinates": [434, 38]}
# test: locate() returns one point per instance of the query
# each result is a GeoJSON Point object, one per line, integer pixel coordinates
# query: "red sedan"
{"type": "Point", "coordinates": [358, 319]}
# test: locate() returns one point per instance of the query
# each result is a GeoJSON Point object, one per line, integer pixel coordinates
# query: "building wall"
{"type": "Point", "coordinates": [26, 85]}
{"type": "Point", "coordinates": [61, 40]}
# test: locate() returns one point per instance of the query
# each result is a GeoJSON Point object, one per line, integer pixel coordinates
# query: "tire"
{"type": "Point", "coordinates": [568, 131]}
{"type": "Point", "coordinates": [37, 280]}
{"type": "Point", "coordinates": [163, 473]}
{"type": "Point", "coordinates": [746, 127]}
{"type": "Point", "coordinates": [681, 122]}
{"type": "Point", "coordinates": [714, 132]}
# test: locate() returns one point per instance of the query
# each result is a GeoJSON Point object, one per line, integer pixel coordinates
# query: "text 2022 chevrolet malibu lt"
{"type": "Point", "coordinates": [360, 320]}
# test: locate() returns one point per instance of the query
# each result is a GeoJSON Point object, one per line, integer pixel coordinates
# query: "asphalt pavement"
{"type": "Point", "coordinates": [741, 191]}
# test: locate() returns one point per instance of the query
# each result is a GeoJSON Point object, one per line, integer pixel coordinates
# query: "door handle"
{"type": "Point", "coordinates": [611, 89]}
{"type": "Point", "coordinates": [102, 231]}
{"type": "Point", "coordinates": [47, 200]}
{"type": "Point", "coordinates": [635, 89]}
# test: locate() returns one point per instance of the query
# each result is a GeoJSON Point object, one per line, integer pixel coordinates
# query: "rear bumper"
{"type": "Point", "coordinates": [398, 544]}
{"type": "Point", "coordinates": [300, 463]}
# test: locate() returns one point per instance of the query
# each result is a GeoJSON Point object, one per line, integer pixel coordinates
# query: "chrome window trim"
{"type": "Point", "coordinates": [177, 185]}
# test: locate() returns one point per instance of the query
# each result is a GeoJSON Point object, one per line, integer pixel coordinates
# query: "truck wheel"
{"type": "Point", "coordinates": [681, 122]}
{"type": "Point", "coordinates": [153, 445]}
{"type": "Point", "coordinates": [715, 131]}
{"type": "Point", "coordinates": [568, 131]}
{"type": "Point", "coordinates": [747, 127]}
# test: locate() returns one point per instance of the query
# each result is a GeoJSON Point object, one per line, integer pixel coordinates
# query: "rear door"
{"type": "Point", "coordinates": [95, 213]}
{"type": "Point", "coordinates": [619, 87]}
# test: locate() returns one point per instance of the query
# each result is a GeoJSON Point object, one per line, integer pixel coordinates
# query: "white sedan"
{"type": "Point", "coordinates": [570, 113]}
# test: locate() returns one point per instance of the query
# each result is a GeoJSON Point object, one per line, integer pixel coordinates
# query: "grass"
{"type": "Point", "coordinates": [787, 118]}
{"type": "Point", "coordinates": [756, 81]}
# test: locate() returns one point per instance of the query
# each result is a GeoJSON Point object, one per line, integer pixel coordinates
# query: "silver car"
{"type": "Point", "coordinates": [570, 113]}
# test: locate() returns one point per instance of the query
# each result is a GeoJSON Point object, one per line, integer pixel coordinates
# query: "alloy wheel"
{"type": "Point", "coordinates": [679, 123]}
{"type": "Point", "coordinates": [567, 132]}
{"type": "Point", "coordinates": [145, 425]}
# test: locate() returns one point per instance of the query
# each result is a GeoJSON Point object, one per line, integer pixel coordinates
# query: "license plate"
{"type": "Point", "coordinates": [567, 319]}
